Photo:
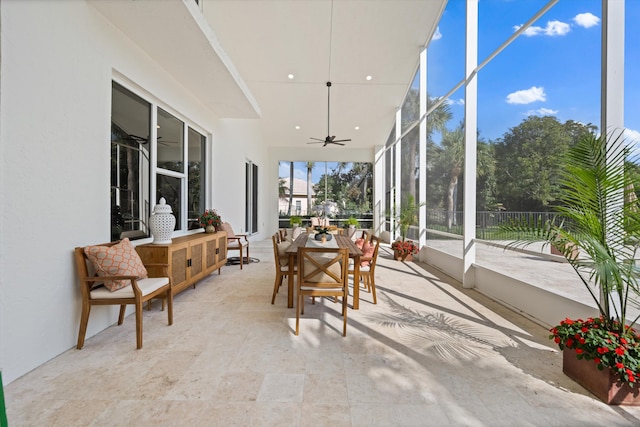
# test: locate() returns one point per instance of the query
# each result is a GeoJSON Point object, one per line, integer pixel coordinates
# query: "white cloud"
{"type": "Point", "coordinates": [553, 28]}
{"type": "Point", "coordinates": [586, 20]}
{"type": "Point", "coordinates": [449, 101]}
{"type": "Point", "coordinates": [437, 35]}
{"type": "Point", "coordinates": [541, 112]}
{"type": "Point", "coordinates": [527, 96]}
{"type": "Point", "coordinates": [632, 138]}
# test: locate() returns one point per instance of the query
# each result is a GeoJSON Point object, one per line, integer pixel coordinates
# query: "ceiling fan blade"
{"type": "Point", "coordinates": [316, 142]}
{"type": "Point", "coordinates": [331, 138]}
{"type": "Point", "coordinates": [136, 138]}
{"type": "Point", "coordinates": [318, 139]}
{"type": "Point", "coordinates": [341, 140]}
{"type": "Point", "coordinates": [337, 143]}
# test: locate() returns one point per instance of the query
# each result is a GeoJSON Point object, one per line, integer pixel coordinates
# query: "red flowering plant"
{"type": "Point", "coordinates": [592, 340]}
{"type": "Point", "coordinates": [405, 247]}
{"type": "Point", "coordinates": [210, 217]}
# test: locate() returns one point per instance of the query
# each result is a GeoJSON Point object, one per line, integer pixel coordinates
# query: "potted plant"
{"type": "Point", "coordinates": [408, 215]}
{"type": "Point", "coordinates": [210, 220]}
{"type": "Point", "coordinates": [404, 250]}
{"type": "Point", "coordinates": [322, 233]}
{"type": "Point", "coordinates": [594, 225]}
{"type": "Point", "coordinates": [295, 221]}
{"type": "Point", "coordinates": [352, 222]}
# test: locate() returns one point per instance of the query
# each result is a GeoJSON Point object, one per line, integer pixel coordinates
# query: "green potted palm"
{"type": "Point", "coordinates": [596, 229]}
{"type": "Point", "coordinates": [352, 222]}
{"type": "Point", "coordinates": [295, 221]}
{"type": "Point", "coordinates": [404, 249]}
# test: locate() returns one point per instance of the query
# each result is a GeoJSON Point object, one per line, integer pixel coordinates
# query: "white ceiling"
{"type": "Point", "coordinates": [341, 41]}
{"type": "Point", "coordinates": [260, 42]}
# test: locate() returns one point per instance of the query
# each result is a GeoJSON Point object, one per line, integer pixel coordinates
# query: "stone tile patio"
{"type": "Point", "coordinates": [428, 354]}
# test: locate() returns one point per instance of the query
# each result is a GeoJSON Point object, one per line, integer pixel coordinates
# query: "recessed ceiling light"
{"type": "Point", "coordinates": [297, 127]}
{"type": "Point", "coordinates": [368, 77]}
{"type": "Point", "coordinates": [290, 76]}
{"type": "Point", "coordinates": [357, 128]}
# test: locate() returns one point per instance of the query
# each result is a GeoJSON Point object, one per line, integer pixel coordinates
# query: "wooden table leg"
{"type": "Point", "coordinates": [292, 260]}
{"type": "Point", "coordinates": [356, 282]}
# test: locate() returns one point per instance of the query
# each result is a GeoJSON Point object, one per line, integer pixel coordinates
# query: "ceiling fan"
{"type": "Point", "coordinates": [328, 139]}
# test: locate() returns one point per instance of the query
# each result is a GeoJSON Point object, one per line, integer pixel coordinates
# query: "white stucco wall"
{"type": "Point", "coordinates": [58, 59]}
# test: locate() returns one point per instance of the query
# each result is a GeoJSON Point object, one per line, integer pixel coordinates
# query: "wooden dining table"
{"type": "Point", "coordinates": [343, 242]}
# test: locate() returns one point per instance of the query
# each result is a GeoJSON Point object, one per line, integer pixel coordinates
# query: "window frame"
{"type": "Point", "coordinates": [155, 171]}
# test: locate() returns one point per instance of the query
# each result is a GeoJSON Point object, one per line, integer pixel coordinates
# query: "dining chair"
{"type": "Point", "coordinates": [368, 261]}
{"type": "Point", "coordinates": [127, 281]}
{"type": "Point", "coordinates": [282, 262]}
{"type": "Point", "coordinates": [236, 242]}
{"type": "Point", "coordinates": [322, 272]}
{"type": "Point", "coordinates": [370, 247]}
{"type": "Point", "coordinates": [359, 239]}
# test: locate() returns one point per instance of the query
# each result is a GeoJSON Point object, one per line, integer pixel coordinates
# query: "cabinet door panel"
{"type": "Point", "coordinates": [196, 260]}
{"type": "Point", "coordinates": [179, 266]}
{"type": "Point", "coordinates": [211, 254]}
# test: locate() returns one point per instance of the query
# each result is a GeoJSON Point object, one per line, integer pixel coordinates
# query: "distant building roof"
{"type": "Point", "coordinates": [299, 187]}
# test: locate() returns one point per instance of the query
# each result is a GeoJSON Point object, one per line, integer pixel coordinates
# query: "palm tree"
{"type": "Point", "coordinates": [453, 156]}
{"type": "Point", "coordinates": [310, 166]}
{"type": "Point", "coordinates": [436, 121]}
{"type": "Point", "coordinates": [290, 188]}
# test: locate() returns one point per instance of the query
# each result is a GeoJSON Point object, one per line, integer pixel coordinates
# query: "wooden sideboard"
{"type": "Point", "coordinates": [190, 258]}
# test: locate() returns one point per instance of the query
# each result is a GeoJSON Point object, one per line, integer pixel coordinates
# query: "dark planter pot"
{"type": "Point", "coordinates": [319, 236]}
{"type": "Point", "coordinates": [397, 256]}
{"type": "Point", "coordinates": [602, 384]}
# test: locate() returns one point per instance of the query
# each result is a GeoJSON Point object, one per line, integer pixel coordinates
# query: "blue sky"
{"type": "Point", "coordinates": [551, 69]}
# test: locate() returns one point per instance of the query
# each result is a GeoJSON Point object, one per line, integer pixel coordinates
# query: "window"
{"type": "Point", "coordinates": [130, 168]}
{"type": "Point", "coordinates": [196, 175]}
{"type": "Point", "coordinates": [337, 189]}
{"type": "Point", "coordinates": [179, 169]}
{"type": "Point", "coordinates": [251, 198]}
{"type": "Point", "coordinates": [170, 171]}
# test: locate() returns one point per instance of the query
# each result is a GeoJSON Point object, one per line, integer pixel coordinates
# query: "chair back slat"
{"type": "Point", "coordinates": [322, 267]}
{"type": "Point", "coordinates": [322, 272]}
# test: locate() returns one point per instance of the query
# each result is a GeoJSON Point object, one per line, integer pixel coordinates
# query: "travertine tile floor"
{"type": "Point", "coordinates": [428, 354]}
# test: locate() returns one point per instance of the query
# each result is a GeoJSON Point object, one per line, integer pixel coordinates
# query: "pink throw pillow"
{"type": "Point", "coordinates": [367, 251]}
{"type": "Point", "coordinates": [118, 260]}
{"type": "Point", "coordinates": [360, 243]}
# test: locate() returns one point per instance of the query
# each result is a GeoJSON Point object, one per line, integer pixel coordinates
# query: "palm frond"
{"type": "Point", "coordinates": [596, 217]}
